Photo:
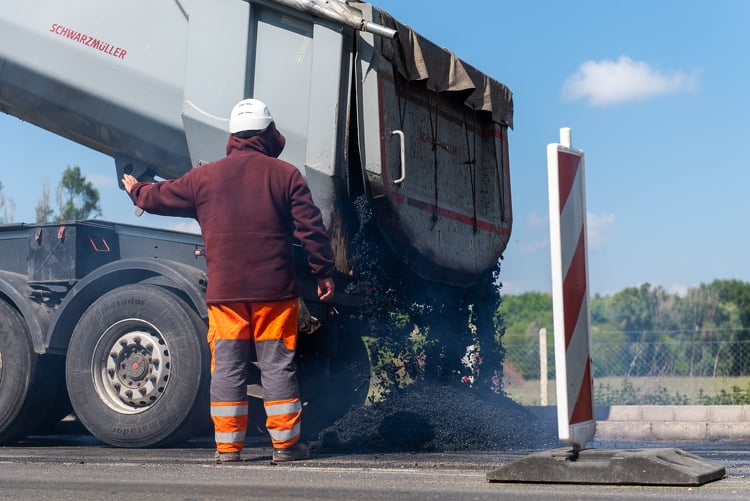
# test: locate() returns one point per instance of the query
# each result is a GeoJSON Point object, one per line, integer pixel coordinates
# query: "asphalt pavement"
{"type": "Point", "coordinates": [67, 467]}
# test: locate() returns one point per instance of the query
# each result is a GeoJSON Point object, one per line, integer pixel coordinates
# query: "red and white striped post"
{"type": "Point", "coordinates": [570, 296]}
{"type": "Point", "coordinates": [575, 402]}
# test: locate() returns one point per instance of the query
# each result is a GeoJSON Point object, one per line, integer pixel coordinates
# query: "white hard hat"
{"type": "Point", "coordinates": [249, 114]}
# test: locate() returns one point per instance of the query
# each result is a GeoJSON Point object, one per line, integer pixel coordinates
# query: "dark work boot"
{"type": "Point", "coordinates": [227, 457]}
{"type": "Point", "coordinates": [293, 453]}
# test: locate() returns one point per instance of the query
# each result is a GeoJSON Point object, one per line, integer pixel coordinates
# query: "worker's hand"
{"type": "Point", "coordinates": [325, 288]}
{"type": "Point", "coordinates": [128, 182]}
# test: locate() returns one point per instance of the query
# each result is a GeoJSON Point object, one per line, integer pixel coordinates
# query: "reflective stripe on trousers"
{"type": "Point", "coordinates": [283, 421]}
{"type": "Point", "coordinates": [272, 326]}
{"type": "Point", "coordinates": [230, 425]}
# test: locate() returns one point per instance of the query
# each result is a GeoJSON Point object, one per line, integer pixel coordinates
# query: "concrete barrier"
{"type": "Point", "coordinates": [664, 423]}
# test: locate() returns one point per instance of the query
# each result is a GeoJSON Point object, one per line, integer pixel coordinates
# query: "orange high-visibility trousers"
{"type": "Point", "coordinates": [272, 328]}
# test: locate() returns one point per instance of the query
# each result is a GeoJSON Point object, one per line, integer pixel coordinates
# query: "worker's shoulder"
{"type": "Point", "coordinates": [253, 160]}
{"type": "Point", "coordinates": [279, 166]}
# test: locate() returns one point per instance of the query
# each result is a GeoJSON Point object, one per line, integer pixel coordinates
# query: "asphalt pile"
{"type": "Point", "coordinates": [430, 417]}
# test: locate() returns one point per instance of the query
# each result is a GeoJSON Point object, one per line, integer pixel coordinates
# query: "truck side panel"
{"type": "Point", "coordinates": [100, 73]}
{"type": "Point", "coordinates": [14, 244]}
{"type": "Point", "coordinates": [153, 91]}
{"type": "Point", "coordinates": [450, 218]}
{"type": "Point", "coordinates": [216, 73]}
{"type": "Point", "coordinates": [300, 68]}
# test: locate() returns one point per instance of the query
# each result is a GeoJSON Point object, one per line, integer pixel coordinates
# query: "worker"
{"type": "Point", "coordinates": [250, 206]}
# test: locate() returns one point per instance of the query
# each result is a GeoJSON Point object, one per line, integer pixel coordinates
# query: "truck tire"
{"type": "Point", "coordinates": [23, 383]}
{"type": "Point", "coordinates": [137, 368]}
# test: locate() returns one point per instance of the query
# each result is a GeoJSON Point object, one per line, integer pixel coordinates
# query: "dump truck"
{"type": "Point", "coordinates": [108, 320]}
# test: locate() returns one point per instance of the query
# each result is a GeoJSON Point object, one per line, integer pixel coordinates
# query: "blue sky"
{"type": "Point", "coordinates": [654, 91]}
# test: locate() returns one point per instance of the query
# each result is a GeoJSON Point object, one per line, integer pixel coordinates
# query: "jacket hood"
{"type": "Point", "coordinates": [270, 142]}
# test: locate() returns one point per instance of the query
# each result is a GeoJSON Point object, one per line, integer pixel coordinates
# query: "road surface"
{"type": "Point", "coordinates": [78, 467]}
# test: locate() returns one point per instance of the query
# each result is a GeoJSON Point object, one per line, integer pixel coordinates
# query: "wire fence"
{"type": "Point", "coordinates": [676, 372]}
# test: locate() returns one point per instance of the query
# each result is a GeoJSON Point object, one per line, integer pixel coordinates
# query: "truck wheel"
{"type": "Point", "coordinates": [137, 368]}
{"type": "Point", "coordinates": [23, 382]}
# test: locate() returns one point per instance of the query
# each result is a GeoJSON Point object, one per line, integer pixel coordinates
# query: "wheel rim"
{"type": "Point", "coordinates": [131, 366]}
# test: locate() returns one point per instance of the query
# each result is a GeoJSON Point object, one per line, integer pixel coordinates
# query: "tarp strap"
{"type": "Point", "coordinates": [434, 132]}
{"type": "Point", "coordinates": [399, 92]}
{"type": "Point", "coordinates": [471, 161]}
{"type": "Point", "coordinates": [500, 159]}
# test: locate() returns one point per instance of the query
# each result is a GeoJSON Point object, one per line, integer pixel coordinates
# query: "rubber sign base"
{"type": "Point", "coordinates": [648, 466]}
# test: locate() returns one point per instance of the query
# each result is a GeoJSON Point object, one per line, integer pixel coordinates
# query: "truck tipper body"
{"type": "Point", "coordinates": [108, 320]}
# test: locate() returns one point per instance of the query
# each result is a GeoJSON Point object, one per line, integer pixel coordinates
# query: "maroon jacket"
{"type": "Point", "coordinates": [250, 206]}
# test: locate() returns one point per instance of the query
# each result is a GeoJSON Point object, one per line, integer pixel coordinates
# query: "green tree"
{"type": "Point", "coordinates": [641, 311]}
{"type": "Point", "coordinates": [524, 314]}
{"type": "Point", "coordinates": [732, 323]}
{"type": "Point", "coordinates": [43, 209]}
{"type": "Point", "coordinates": [698, 316]}
{"type": "Point", "coordinates": [644, 315]}
{"type": "Point", "coordinates": [737, 293]}
{"type": "Point", "coordinates": [700, 312]}
{"type": "Point", "coordinates": [646, 331]}
{"type": "Point", "coordinates": [77, 198]}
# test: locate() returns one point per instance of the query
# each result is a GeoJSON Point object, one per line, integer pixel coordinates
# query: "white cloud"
{"type": "Point", "coordinates": [536, 220]}
{"type": "Point", "coordinates": [597, 229]}
{"type": "Point", "coordinates": [613, 82]}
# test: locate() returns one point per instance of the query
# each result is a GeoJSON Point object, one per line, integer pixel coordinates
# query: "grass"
{"type": "Point", "coordinates": [672, 390]}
